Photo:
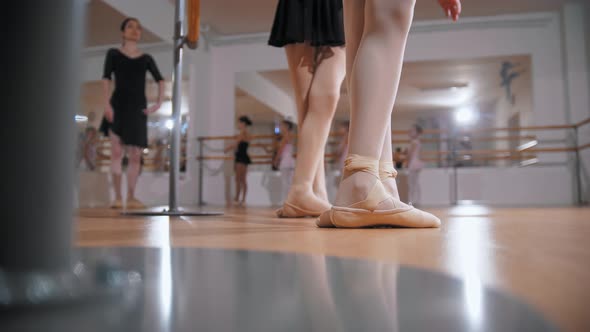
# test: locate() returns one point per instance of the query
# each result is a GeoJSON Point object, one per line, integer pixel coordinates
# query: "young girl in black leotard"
{"type": "Point", "coordinates": [242, 159]}
{"type": "Point", "coordinates": [126, 111]}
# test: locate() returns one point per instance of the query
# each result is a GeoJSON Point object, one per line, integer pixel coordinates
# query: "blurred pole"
{"type": "Point", "coordinates": [176, 104]}
{"type": "Point", "coordinates": [577, 167]}
{"type": "Point", "coordinates": [41, 96]}
{"type": "Point", "coordinates": [201, 161]}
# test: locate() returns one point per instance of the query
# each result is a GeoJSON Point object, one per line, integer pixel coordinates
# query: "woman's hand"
{"type": "Point", "coordinates": [152, 109]}
{"type": "Point", "coordinates": [108, 113]}
{"type": "Point", "coordinates": [452, 8]}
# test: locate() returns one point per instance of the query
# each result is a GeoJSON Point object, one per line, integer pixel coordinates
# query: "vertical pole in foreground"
{"type": "Point", "coordinates": [201, 161]}
{"type": "Point", "coordinates": [176, 104]}
{"type": "Point", "coordinates": [39, 138]}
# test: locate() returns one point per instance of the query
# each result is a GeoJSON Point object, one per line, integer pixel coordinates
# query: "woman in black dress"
{"type": "Point", "coordinates": [126, 111]}
{"type": "Point", "coordinates": [312, 33]}
{"type": "Point", "coordinates": [242, 159]}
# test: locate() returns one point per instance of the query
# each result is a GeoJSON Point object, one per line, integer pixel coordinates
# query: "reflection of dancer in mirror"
{"type": "Point", "coordinates": [312, 33]}
{"type": "Point", "coordinates": [415, 164]}
{"type": "Point", "coordinates": [284, 157]}
{"type": "Point", "coordinates": [508, 73]}
{"type": "Point", "coordinates": [399, 157]}
{"type": "Point", "coordinates": [90, 148]}
{"type": "Point", "coordinates": [376, 35]}
{"type": "Point", "coordinates": [126, 110]}
{"type": "Point", "coordinates": [242, 159]}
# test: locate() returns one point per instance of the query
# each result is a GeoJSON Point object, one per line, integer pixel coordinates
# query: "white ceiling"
{"type": "Point", "coordinates": [103, 25]}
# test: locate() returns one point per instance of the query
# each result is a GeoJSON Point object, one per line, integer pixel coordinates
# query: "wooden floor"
{"type": "Point", "coordinates": [540, 255]}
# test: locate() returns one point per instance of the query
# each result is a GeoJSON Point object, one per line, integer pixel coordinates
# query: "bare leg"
{"type": "Point", "coordinates": [134, 154]}
{"type": "Point", "coordinates": [375, 74]}
{"type": "Point", "coordinates": [301, 58]}
{"type": "Point", "coordinates": [244, 183]}
{"type": "Point", "coordinates": [116, 161]}
{"type": "Point", "coordinates": [301, 68]}
{"type": "Point", "coordinates": [321, 100]}
{"type": "Point", "coordinates": [238, 182]}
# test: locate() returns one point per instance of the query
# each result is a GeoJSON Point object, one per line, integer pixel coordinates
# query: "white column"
{"type": "Point", "coordinates": [576, 61]}
{"type": "Point", "coordinates": [576, 28]}
{"type": "Point", "coordinates": [212, 113]}
{"type": "Point", "coordinates": [38, 184]}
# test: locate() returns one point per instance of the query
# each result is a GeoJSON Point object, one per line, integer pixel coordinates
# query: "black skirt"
{"type": "Point", "coordinates": [318, 22]}
{"type": "Point", "coordinates": [129, 125]}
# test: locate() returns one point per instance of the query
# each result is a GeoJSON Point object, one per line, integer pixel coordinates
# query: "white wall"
{"type": "Point", "coordinates": [152, 189]}
{"type": "Point", "coordinates": [511, 186]}
{"type": "Point", "coordinates": [532, 186]}
{"type": "Point", "coordinates": [576, 63]}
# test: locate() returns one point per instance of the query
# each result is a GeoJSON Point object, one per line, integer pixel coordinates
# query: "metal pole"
{"type": "Point", "coordinates": [577, 168]}
{"type": "Point", "coordinates": [201, 161]}
{"type": "Point", "coordinates": [36, 260]}
{"type": "Point", "coordinates": [176, 104]}
{"type": "Point", "coordinates": [453, 163]}
{"type": "Point", "coordinates": [38, 176]}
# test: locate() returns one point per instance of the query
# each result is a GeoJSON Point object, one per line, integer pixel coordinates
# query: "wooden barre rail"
{"type": "Point", "coordinates": [583, 123]}
{"type": "Point", "coordinates": [398, 141]}
{"type": "Point", "coordinates": [432, 160]}
{"type": "Point", "coordinates": [431, 131]}
{"type": "Point", "coordinates": [427, 153]}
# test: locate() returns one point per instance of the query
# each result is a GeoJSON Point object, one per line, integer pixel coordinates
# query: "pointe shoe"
{"type": "Point", "coordinates": [324, 220]}
{"type": "Point", "coordinates": [387, 171]}
{"type": "Point", "coordinates": [292, 211]}
{"type": "Point", "coordinates": [366, 213]}
{"type": "Point", "coordinates": [135, 204]}
{"type": "Point", "coordinates": [117, 204]}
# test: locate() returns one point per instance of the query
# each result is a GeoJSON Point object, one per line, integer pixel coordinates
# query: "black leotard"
{"type": "Point", "coordinates": [128, 99]}
{"type": "Point", "coordinates": [242, 153]}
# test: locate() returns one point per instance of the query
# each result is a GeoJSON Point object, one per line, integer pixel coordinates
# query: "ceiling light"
{"type": "Point", "coordinates": [465, 116]}
{"type": "Point", "coordinates": [444, 87]}
{"type": "Point", "coordinates": [169, 124]}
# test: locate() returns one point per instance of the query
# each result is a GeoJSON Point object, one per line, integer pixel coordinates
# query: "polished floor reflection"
{"type": "Point", "coordinates": [189, 289]}
{"type": "Point", "coordinates": [535, 255]}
